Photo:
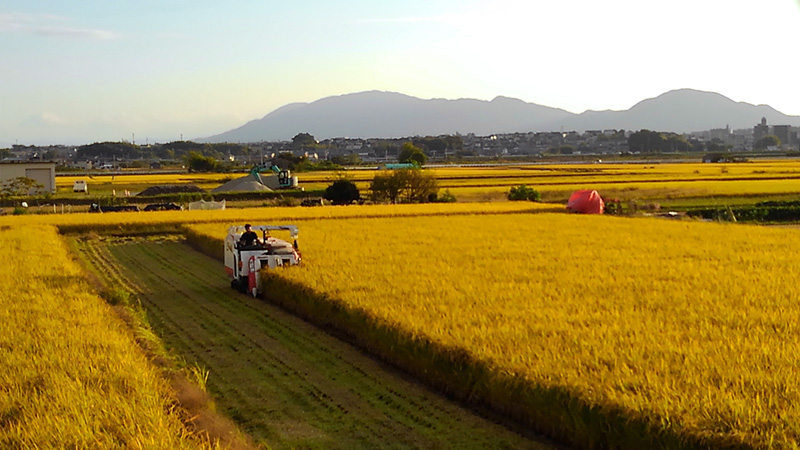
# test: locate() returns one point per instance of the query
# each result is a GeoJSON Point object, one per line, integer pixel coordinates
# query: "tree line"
{"type": "Point", "coordinates": [413, 185]}
{"type": "Point", "coordinates": [647, 141]}
{"type": "Point", "coordinates": [173, 150]}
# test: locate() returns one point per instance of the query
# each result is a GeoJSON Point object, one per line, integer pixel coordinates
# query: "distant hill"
{"type": "Point", "coordinates": [683, 111]}
{"type": "Point", "coordinates": [389, 114]}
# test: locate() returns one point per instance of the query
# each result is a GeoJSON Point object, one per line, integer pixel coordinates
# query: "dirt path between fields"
{"type": "Point", "coordinates": [285, 382]}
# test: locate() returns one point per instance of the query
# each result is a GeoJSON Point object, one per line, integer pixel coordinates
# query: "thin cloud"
{"type": "Point", "coordinates": [418, 19]}
{"type": "Point", "coordinates": [22, 19]}
{"type": "Point", "coordinates": [49, 26]}
{"type": "Point", "coordinates": [172, 35]}
{"type": "Point", "coordinates": [80, 33]}
{"type": "Point", "coordinates": [44, 119]}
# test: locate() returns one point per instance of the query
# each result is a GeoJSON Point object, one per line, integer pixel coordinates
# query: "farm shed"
{"type": "Point", "coordinates": [43, 173]}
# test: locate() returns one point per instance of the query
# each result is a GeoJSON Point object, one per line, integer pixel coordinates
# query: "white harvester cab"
{"type": "Point", "coordinates": [242, 263]}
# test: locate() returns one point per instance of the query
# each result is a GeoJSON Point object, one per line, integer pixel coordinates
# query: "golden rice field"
{"type": "Point", "coordinates": [555, 181]}
{"type": "Point", "coordinates": [616, 171]}
{"type": "Point", "coordinates": [71, 373]}
{"type": "Point", "coordinates": [659, 190]}
{"type": "Point", "coordinates": [205, 181]}
{"type": "Point", "coordinates": [626, 181]}
{"type": "Point", "coordinates": [127, 222]}
{"type": "Point", "coordinates": [117, 185]}
{"type": "Point", "coordinates": [606, 332]}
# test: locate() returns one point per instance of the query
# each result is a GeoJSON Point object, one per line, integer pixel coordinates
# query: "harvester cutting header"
{"type": "Point", "coordinates": [246, 253]}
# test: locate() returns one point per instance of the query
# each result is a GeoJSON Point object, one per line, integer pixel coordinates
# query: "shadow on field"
{"type": "Point", "coordinates": [552, 411]}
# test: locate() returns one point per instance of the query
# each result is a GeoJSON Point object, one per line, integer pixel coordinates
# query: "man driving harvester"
{"type": "Point", "coordinates": [246, 253]}
{"type": "Point", "coordinates": [249, 238]}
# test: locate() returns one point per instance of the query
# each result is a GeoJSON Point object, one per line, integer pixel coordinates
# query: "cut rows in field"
{"type": "Point", "coordinates": [285, 382]}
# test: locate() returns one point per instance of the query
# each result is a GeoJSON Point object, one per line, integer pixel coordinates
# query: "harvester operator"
{"type": "Point", "coordinates": [249, 238]}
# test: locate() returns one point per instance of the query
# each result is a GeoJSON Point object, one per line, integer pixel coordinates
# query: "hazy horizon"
{"type": "Point", "coordinates": [155, 71]}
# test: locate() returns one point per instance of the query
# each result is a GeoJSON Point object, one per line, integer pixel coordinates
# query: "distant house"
{"type": "Point", "coordinates": [85, 165]}
{"type": "Point", "coordinates": [42, 172]}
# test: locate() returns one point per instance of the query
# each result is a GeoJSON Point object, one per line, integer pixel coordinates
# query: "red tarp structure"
{"type": "Point", "coordinates": [586, 201]}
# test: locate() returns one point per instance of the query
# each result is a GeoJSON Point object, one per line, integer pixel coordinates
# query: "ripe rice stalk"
{"type": "Point", "coordinates": [640, 331]}
{"type": "Point", "coordinates": [71, 374]}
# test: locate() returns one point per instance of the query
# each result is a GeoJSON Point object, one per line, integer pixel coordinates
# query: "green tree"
{"type": "Point", "coordinates": [303, 141]}
{"type": "Point", "coordinates": [439, 145]}
{"type": "Point", "coordinates": [306, 165]}
{"type": "Point", "coordinates": [523, 192]}
{"type": "Point", "coordinates": [109, 150]}
{"type": "Point", "coordinates": [421, 185]}
{"type": "Point", "coordinates": [350, 159]}
{"type": "Point", "coordinates": [645, 141]}
{"type": "Point", "coordinates": [410, 153]}
{"type": "Point", "coordinates": [21, 187]}
{"type": "Point", "coordinates": [407, 185]}
{"type": "Point", "coordinates": [386, 187]}
{"type": "Point", "coordinates": [385, 149]}
{"type": "Point", "coordinates": [342, 192]}
{"type": "Point", "coordinates": [199, 163]}
{"type": "Point", "coordinates": [675, 143]}
{"type": "Point", "coordinates": [180, 149]}
{"type": "Point", "coordinates": [768, 141]}
{"type": "Point", "coordinates": [716, 145]}
{"type": "Point", "coordinates": [447, 197]}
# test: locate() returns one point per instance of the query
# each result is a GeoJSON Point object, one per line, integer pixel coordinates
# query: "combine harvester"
{"type": "Point", "coordinates": [243, 261]}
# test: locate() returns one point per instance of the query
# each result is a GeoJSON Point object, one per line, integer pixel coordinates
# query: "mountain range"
{"type": "Point", "coordinates": [378, 114]}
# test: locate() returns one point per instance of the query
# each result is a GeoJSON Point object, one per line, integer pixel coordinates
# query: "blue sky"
{"type": "Point", "coordinates": [156, 71]}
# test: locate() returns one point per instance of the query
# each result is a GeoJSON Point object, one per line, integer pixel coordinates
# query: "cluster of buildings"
{"type": "Point", "coordinates": [595, 142]}
{"type": "Point", "coordinates": [591, 142]}
{"type": "Point", "coordinates": [787, 134]}
{"type": "Point", "coordinates": [466, 146]}
{"type": "Point", "coordinates": [747, 139]}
